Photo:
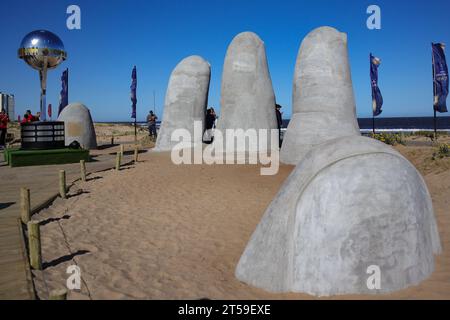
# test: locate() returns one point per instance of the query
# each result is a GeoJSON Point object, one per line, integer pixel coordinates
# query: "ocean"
{"type": "Point", "coordinates": [398, 124]}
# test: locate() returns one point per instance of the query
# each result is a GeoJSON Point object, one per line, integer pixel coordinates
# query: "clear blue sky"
{"type": "Point", "coordinates": [156, 34]}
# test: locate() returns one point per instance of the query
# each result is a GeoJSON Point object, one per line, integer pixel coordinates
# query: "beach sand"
{"type": "Point", "coordinates": [122, 133]}
{"type": "Point", "coordinates": [155, 230]}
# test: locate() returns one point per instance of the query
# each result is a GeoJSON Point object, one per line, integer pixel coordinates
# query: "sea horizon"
{"type": "Point", "coordinates": [407, 124]}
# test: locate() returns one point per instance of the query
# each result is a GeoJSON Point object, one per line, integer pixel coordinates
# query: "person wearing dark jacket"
{"type": "Point", "coordinates": [210, 119]}
{"type": "Point", "coordinates": [279, 122]}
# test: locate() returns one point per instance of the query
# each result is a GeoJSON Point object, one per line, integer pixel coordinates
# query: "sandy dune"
{"type": "Point", "coordinates": [159, 231]}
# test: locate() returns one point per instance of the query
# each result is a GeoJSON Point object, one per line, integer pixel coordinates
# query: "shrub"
{"type": "Point", "coordinates": [389, 138]}
{"type": "Point", "coordinates": [443, 151]}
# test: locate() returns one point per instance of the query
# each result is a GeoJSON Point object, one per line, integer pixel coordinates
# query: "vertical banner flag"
{"type": "Point", "coordinates": [49, 110]}
{"type": "Point", "coordinates": [133, 92]}
{"type": "Point", "coordinates": [64, 94]}
{"type": "Point", "coordinates": [377, 98]}
{"type": "Point", "coordinates": [440, 78]}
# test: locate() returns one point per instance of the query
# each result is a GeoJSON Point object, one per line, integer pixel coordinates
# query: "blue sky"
{"type": "Point", "coordinates": [156, 34]}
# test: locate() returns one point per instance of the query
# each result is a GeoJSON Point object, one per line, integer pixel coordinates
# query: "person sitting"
{"type": "Point", "coordinates": [37, 117]}
{"type": "Point", "coordinates": [27, 118]}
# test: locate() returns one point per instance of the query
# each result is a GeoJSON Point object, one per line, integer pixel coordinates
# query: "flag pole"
{"type": "Point", "coordinates": [435, 125]}
{"type": "Point", "coordinates": [154, 102]}
{"type": "Point", "coordinates": [373, 123]}
{"type": "Point", "coordinates": [135, 108]}
{"type": "Point", "coordinates": [434, 94]}
{"type": "Point", "coordinates": [135, 130]}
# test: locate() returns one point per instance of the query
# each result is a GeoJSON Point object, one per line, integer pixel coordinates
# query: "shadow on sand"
{"type": "Point", "coordinates": [4, 205]}
{"type": "Point", "coordinates": [50, 220]}
{"type": "Point", "coordinates": [63, 259]}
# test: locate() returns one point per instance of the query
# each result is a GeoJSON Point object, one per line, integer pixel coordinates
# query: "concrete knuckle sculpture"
{"type": "Point", "coordinates": [186, 101]}
{"type": "Point", "coordinates": [323, 103]}
{"type": "Point", "coordinates": [247, 96]}
{"type": "Point", "coordinates": [351, 202]}
{"type": "Point", "coordinates": [79, 125]}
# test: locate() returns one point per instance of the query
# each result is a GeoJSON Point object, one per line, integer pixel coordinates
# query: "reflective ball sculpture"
{"type": "Point", "coordinates": [42, 50]}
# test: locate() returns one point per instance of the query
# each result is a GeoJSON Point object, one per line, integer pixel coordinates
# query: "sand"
{"type": "Point", "coordinates": [122, 133]}
{"type": "Point", "coordinates": [159, 231]}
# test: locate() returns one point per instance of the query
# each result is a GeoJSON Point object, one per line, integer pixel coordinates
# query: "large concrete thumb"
{"type": "Point", "coordinates": [351, 207]}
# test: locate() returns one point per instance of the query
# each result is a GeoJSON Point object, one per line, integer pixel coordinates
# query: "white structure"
{"type": "Point", "coordinates": [78, 125]}
{"type": "Point", "coordinates": [247, 97]}
{"type": "Point", "coordinates": [186, 101]}
{"type": "Point", "coordinates": [323, 105]}
{"type": "Point", "coordinates": [7, 103]}
{"type": "Point", "coordinates": [351, 206]}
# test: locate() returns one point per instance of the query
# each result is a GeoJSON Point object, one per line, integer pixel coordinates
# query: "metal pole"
{"type": "Point", "coordinates": [135, 130]}
{"type": "Point", "coordinates": [43, 79]}
{"type": "Point", "coordinates": [435, 126]}
{"type": "Point", "coordinates": [373, 124]}
{"type": "Point", "coordinates": [434, 93]}
{"type": "Point", "coordinates": [154, 110]}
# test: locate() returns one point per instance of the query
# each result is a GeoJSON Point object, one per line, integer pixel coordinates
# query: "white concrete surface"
{"type": "Point", "coordinates": [78, 125]}
{"type": "Point", "coordinates": [186, 101]}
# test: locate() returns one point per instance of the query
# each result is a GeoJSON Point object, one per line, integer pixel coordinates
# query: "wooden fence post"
{"type": "Point", "coordinates": [118, 159]}
{"type": "Point", "coordinates": [62, 184]}
{"type": "Point", "coordinates": [136, 153]}
{"type": "Point", "coordinates": [34, 243]}
{"type": "Point", "coordinates": [60, 294]}
{"type": "Point", "coordinates": [25, 204]}
{"type": "Point", "coordinates": [83, 170]}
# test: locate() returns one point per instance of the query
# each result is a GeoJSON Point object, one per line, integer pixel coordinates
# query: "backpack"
{"type": "Point", "coordinates": [74, 145]}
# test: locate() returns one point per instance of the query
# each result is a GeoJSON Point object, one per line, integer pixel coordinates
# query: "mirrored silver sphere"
{"type": "Point", "coordinates": [39, 44]}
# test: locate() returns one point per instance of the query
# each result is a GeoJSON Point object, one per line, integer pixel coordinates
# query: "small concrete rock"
{"type": "Point", "coordinates": [78, 125]}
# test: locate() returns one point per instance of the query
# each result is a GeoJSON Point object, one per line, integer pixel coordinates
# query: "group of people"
{"type": "Point", "coordinates": [210, 124]}
{"type": "Point", "coordinates": [29, 117]}
{"type": "Point", "coordinates": [4, 119]}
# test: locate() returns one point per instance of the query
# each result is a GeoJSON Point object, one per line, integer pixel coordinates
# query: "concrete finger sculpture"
{"type": "Point", "coordinates": [78, 125]}
{"type": "Point", "coordinates": [247, 97]}
{"type": "Point", "coordinates": [186, 101]}
{"type": "Point", "coordinates": [353, 206]}
{"type": "Point", "coordinates": [323, 104]}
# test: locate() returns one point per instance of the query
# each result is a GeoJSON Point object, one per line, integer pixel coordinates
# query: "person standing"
{"type": "Point", "coordinates": [151, 121]}
{"type": "Point", "coordinates": [210, 119]}
{"type": "Point", "coordinates": [279, 122]}
{"type": "Point", "coordinates": [213, 113]}
{"type": "Point", "coordinates": [3, 128]}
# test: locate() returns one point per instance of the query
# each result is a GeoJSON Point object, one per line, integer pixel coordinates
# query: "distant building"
{"type": "Point", "coordinates": [7, 103]}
